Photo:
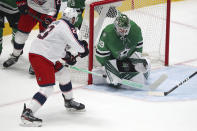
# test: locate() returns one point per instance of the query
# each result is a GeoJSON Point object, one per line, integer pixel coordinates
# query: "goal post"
{"type": "Point", "coordinates": [91, 33]}
{"type": "Point", "coordinates": [167, 47]}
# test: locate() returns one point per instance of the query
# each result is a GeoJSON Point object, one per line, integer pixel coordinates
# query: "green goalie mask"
{"type": "Point", "coordinates": [122, 25]}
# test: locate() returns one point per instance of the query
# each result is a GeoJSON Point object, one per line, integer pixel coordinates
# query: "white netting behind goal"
{"type": "Point", "coordinates": [149, 15]}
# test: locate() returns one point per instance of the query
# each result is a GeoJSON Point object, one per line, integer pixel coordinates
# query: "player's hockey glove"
{"type": "Point", "coordinates": [69, 58]}
{"type": "Point", "coordinates": [58, 66]}
{"type": "Point", "coordinates": [22, 6]}
{"type": "Point", "coordinates": [47, 21]}
{"type": "Point", "coordinates": [86, 52]}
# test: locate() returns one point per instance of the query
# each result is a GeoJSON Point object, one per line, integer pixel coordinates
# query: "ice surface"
{"type": "Point", "coordinates": [108, 110]}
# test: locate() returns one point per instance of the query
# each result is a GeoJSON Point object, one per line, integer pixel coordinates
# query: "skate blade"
{"type": "Point", "coordinates": [26, 123]}
{"type": "Point", "coordinates": [75, 110]}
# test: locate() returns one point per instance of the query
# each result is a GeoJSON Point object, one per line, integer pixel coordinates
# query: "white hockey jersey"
{"type": "Point", "coordinates": [59, 37]}
{"type": "Point", "coordinates": [44, 6]}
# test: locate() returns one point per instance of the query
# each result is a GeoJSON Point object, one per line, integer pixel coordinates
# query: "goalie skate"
{"type": "Point", "coordinates": [29, 120]}
{"type": "Point", "coordinates": [72, 105]}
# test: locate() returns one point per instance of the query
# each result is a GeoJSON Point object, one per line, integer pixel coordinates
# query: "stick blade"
{"type": "Point", "coordinates": [158, 82]}
{"type": "Point", "coordinates": [153, 93]}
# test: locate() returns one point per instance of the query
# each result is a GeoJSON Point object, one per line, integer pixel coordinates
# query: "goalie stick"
{"type": "Point", "coordinates": [172, 89]}
{"type": "Point", "coordinates": [133, 84]}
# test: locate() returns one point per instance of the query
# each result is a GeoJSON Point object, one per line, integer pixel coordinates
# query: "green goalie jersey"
{"type": "Point", "coordinates": [8, 6]}
{"type": "Point", "coordinates": [76, 4]}
{"type": "Point", "coordinates": [112, 46]}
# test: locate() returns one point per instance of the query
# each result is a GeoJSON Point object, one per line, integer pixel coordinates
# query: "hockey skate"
{"type": "Point", "coordinates": [28, 119]}
{"type": "Point", "coordinates": [72, 105]}
{"type": "Point", "coordinates": [12, 60]}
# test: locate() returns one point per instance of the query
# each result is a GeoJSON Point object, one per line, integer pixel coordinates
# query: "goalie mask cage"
{"type": "Point", "coordinates": [153, 16]}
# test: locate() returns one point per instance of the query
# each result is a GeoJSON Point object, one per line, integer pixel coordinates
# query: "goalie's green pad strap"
{"type": "Point", "coordinates": [136, 61]}
{"type": "Point", "coordinates": [128, 75]}
{"type": "Point", "coordinates": [124, 75]}
{"type": "Point", "coordinates": [112, 69]}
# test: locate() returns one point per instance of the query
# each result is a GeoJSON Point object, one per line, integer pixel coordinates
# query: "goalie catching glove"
{"type": "Point", "coordinates": [140, 63]}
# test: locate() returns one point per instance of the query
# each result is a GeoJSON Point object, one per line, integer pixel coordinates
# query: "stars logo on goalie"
{"type": "Point", "coordinates": [123, 53]}
{"type": "Point", "coordinates": [101, 44]}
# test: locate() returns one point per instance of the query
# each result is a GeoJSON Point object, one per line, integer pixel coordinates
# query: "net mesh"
{"type": "Point", "coordinates": [149, 15]}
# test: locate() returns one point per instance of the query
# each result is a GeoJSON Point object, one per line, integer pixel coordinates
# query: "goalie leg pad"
{"type": "Point", "coordinates": [97, 79]}
{"type": "Point", "coordinates": [139, 78]}
{"type": "Point", "coordinates": [112, 79]}
{"type": "Point", "coordinates": [113, 75]}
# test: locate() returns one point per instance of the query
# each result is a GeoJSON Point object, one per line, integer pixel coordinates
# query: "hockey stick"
{"type": "Point", "coordinates": [124, 82]}
{"type": "Point", "coordinates": [172, 89]}
{"type": "Point", "coordinates": [127, 82]}
{"type": "Point", "coordinates": [35, 17]}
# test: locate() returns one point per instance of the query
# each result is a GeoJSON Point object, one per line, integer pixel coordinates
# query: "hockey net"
{"type": "Point", "coordinates": [152, 16]}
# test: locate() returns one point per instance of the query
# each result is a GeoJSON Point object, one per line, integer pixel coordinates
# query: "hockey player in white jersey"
{"type": "Point", "coordinates": [32, 12]}
{"type": "Point", "coordinates": [58, 41]}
